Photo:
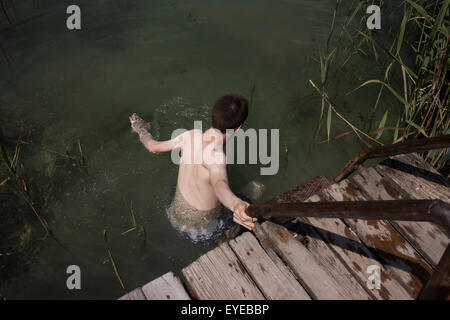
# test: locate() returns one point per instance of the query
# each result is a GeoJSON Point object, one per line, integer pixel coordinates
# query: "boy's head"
{"type": "Point", "coordinates": [229, 112]}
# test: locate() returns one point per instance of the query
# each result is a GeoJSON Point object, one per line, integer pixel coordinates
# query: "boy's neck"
{"type": "Point", "coordinates": [214, 135]}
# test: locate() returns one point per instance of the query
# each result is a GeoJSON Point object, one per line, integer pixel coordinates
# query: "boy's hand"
{"type": "Point", "coordinates": [138, 125]}
{"type": "Point", "coordinates": [241, 217]}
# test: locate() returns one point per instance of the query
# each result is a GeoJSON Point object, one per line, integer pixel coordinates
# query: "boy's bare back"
{"type": "Point", "coordinates": [194, 178]}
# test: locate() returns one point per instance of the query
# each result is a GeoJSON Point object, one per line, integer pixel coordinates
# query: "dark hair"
{"type": "Point", "coordinates": [229, 112]}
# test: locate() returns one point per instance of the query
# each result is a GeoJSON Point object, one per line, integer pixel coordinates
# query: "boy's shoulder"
{"type": "Point", "coordinates": [187, 137]}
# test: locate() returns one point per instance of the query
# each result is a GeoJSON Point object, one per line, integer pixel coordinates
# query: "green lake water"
{"type": "Point", "coordinates": [167, 61]}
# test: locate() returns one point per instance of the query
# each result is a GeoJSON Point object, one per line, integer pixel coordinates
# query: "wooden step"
{"type": "Point", "coordinates": [219, 275]}
{"type": "Point", "coordinates": [319, 270]}
{"type": "Point", "coordinates": [397, 254]}
{"type": "Point", "coordinates": [356, 256]}
{"type": "Point", "coordinates": [411, 177]}
{"type": "Point", "coordinates": [136, 294]}
{"type": "Point", "coordinates": [301, 193]}
{"type": "Point", "coordinates": [273, 281]}
{"type": "Point", "coordinates": [166, 287]}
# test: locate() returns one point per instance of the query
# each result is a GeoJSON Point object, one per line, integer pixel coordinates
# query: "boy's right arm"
{"type": "Point", "coordinates": [141, 128]}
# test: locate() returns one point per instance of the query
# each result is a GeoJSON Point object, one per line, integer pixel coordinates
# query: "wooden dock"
{"type": "Point", "coordinates": [315, 258]}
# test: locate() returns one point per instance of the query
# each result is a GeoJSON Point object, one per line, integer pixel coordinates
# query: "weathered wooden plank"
{"type": "Point", "coordinates": [426, 237]}
{"type": "Point", "coordinates": [166, 287]}
{"type": "Point", "coordinates": [301, 193]}
{"type": "Point", "coordinates": [355, 254]}
{"type": "Point", "coordinates": [414, 159]}
{"type": "Point", "coordinates": [273, 282]}
{"type": "Point", "coordinates": [276, 259]}
{"type": "Point", "coordinates": [414, 179]}
{"type": "Point", "coordinates": [318, 278]}
{"type": "Point", "coordinates": [352, 287]}
{"type": "Point", "coordinates": [218, 274]}
{"type": "Point", "coordinates": [394, 251]}
{"type": "Point", "coordinates": [136, 294]}
{"type": "Point", "coordinates": [269, 249]}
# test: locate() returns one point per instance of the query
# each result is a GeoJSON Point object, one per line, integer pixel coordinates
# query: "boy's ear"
{"type": "Point", "coordinates": [238, 128]}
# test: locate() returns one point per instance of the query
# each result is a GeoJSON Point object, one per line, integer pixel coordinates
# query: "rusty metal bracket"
{"type": "Point", "coordinates": [438, 286]}
{"type": "Point", "coordinates": [418, 145]}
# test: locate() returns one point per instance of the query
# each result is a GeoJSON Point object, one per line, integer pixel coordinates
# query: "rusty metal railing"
{"type": "Point", "coordinates": [437, 211]}
{"type": "Point", "coordinates": [418, 145]}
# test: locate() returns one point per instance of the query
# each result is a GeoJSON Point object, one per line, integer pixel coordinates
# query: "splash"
{"type": "Point", "coordinates": [177, 112]}
{"type": "Point", "coordinates": [203, 226]}
{"type": "Point", "coordinates": [197, 225]}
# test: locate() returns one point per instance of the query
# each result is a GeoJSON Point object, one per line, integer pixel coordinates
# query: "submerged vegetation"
{"type": "Point", "coordinates": [131, 212]}
{"type": "Point", "coordinates": [17, 185]}
{"type": "Point", "coordinates": [413, 60]}
{"type": "Point", "coordinates": [14, 177]}
{"type": "Point", "coordinates": [24, 201]}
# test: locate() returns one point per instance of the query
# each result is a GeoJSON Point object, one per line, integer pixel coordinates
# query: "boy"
{"type": "Point", "coordinates": [202, 177]}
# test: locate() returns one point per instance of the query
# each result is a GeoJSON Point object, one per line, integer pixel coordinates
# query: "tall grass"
{"type": "Point", "coordinates": [415, 63]}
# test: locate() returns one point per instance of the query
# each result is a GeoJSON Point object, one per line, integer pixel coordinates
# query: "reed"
{"type": "Point", "coordinates": [5, 12]}
{"type": "Point", "coordinates": [113, 262]}
{"type": "Point", "coordinates": [131, 213]}
{"type": "Point", "coordinates": [20, 184]}
{"type": "Point", "coordinates": [417, 54]}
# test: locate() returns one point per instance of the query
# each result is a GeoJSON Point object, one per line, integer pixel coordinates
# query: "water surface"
{"type": "Point", "coordinates": [167, 61]}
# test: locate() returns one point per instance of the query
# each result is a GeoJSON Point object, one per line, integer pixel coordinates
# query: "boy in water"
{"type": "Point", "coordinates": [202, 177]}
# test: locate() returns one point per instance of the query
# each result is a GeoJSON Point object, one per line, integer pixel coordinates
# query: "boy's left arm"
{"type": "Point", "coordinates": [219, 181]}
